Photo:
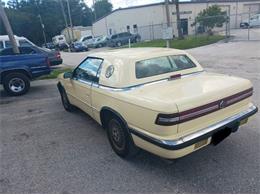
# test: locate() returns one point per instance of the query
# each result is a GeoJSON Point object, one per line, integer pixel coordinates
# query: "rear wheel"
{"type": "Point", "coordinates": [16, 83]}
{"type": "Point", "coordinates": [137, 39]}
{"type": "Point", "coordinates": [118, 44]}
{"type": "Point", "coordinates": [119, 138]}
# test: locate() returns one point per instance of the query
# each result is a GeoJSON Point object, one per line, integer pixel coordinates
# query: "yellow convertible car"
{"type": "Point", "coordinates": [157, 99]}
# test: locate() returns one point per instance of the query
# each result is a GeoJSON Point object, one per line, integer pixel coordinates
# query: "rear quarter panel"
{"type": "Point", "coordinates": [138, 116]}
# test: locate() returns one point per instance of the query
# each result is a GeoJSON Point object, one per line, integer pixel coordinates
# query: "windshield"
{"type": "Point", "coordinates": [161, 65]}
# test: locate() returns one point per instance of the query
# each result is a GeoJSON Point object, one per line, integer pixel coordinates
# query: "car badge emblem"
{"type": "Point", "coordinates": [222, 104]}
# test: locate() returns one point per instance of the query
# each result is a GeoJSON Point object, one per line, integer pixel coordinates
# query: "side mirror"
{"type": "Point", "coordinates": [67, 75]}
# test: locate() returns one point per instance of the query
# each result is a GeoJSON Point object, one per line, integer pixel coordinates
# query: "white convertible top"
{"type": "Point", "coordinates": [124, 61]}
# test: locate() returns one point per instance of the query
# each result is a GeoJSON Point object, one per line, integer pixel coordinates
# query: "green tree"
{"type": "Point", "coordinates": [211, 17]}
{"type": "Point", "coordinates": [23, 17]}
{"type": "Point", "coordinates": [102, 8]}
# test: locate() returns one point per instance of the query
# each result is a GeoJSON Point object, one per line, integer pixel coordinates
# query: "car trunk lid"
{"type": "Point", "coordinates": [197, 95]}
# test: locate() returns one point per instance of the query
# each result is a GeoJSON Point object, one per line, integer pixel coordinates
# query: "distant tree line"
{"type": "Point", "coordinates": [24, 16]}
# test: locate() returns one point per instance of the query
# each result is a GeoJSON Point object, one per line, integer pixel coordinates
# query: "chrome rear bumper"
{"type": "Point", "coordinates": [197, 136]}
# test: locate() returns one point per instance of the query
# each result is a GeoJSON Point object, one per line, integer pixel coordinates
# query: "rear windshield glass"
{"type": "Point", "coordinates": [161, 65]}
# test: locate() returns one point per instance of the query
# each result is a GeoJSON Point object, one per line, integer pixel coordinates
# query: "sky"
{"type": "Point", "coordinates": [126, 3]}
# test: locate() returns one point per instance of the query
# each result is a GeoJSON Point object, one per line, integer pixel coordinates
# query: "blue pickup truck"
{"type": "Point", "coordinates": [16, 71]}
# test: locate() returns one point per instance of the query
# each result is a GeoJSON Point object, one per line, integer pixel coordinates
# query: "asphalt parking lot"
{"type": "Point", "coordinates": [45, 149]}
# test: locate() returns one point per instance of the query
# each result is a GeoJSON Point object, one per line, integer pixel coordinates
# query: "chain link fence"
{"type": "Point", "coordinates": [238, 27]}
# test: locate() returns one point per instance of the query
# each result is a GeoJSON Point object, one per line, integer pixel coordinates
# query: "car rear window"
{"type": "Point", "coordinates": [162, 65]}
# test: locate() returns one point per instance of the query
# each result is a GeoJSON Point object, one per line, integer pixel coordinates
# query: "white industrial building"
{"type": "Point", "coordinates": [78, 32]}
{"type": "Point", "coordinates": [150, 20]}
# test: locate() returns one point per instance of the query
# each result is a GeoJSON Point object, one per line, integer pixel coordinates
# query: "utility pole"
{"type": "Point", "coordinates": [248, 28]}
{"type": "Point", "coordinates": [8, 29]}
{"type": "Point", "coordinates": [71, 25]}
{"type": "Point", "coordinates": [180, 36]}
{"type": "Point", "coordinates": [43, 30]}
{"type": "Point", "coordinates": [94, 11]}
{"type": "Point", "coordinates": [168, 20]}
{"type": "Point", "coordinates": [65, 20]}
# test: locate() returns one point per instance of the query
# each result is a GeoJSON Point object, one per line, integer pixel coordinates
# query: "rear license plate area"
{"type": "Point", "coordinates": [244, 121]}
{"type": "Point", "coordinates": [220, 136]}
{"type": "Point", "coordinates": [200, 143]}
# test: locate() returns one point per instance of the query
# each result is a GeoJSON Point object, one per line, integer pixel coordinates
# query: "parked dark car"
{"type": "Point", "coordinates": [78, 47]}
{"type": "Point", "coordinates": [17, 70]}
{"type": "Point", "coordinates": [244, 25]}
{"type": "Point", "coordinates": [120, 39]}
{"type": "Point", "coordinates": [62, 47]}
{"type": "Point", "coordinates": [53, 56]}
{"type": "Point", "coordinates": [49, 45]}
{"type": "Point", "coordinates": [100, 41]}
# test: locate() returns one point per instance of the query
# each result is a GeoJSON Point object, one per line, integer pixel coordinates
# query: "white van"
{"type": "Point", "coordinates": [86, 40]}
{"type": "Point", "coordinates": [59, 40]}
{"type": "Point", "coordinates": [254, 21]}
{"type": "Point", "coordinates": [21, 41]}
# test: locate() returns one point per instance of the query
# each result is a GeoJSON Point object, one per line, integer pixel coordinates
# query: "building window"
{"type": "Point", "coordinates": [135, 28]}
{"type": "Point", "coordinates": [110, 31]}
{"type": "Point", "coordinates": [128, 28]}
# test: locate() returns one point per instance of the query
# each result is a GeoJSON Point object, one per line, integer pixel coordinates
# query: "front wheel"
{"type": "Point", "coordinates": [65, 101]}
{"type": "Point", "coordinates": [16, 83]}
{"type": "Point", "coordinates": [119, 138]}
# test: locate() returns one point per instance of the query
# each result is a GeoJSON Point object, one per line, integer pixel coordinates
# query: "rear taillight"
{"type": "Point", "coordinates": [173, 119]}
{"type": "Point", "coordinates": [58, 55]}
{"type": "Point", "coordinates": [167, 119]}
{"type": "Point", "coordinates": [48, 62]}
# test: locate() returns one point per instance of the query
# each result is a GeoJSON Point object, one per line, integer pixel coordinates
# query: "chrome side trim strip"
{"type": "Point", "coordinates": [192, 138]}
{"type": "Point", "coordinates": [37, 67]}
{"type": "Point", "coordinates": [144, 84]}
{"type": "Point", "coordinates": [96, 85]}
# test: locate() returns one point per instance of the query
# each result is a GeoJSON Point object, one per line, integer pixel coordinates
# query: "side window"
{"type": "Point", "coordinates": [23, 43]}
{"type": "Point", "coordinates": [114, 37]}
{"type": "Point", "coordinates": [88, 70]}
{"type": "Point", "coordinates": [7, 52]}
{"type": "Point", "coordinates": [8, 44]}
{"type": "Point", "coordinates": [27, 50]}
{"type": "Point", "coordinates": [1, 45]}
{"type": "Point", "coordinates": [123, 35]}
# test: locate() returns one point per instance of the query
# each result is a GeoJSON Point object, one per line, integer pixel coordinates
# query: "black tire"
{"type": "Point", "coordinates": [16, 83]}
{"type": "Point", "coordinates": [119, 44]}
{"type": "Point", "coordinates": [120, 139]}
{"type": "Point", "coordinates": [137, 39]}
{"type": "Point", "coordinates": [65, 101]}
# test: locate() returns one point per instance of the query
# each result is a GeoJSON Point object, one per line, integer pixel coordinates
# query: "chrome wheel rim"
{"type": "Point", "coordinates": [16, 85]}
